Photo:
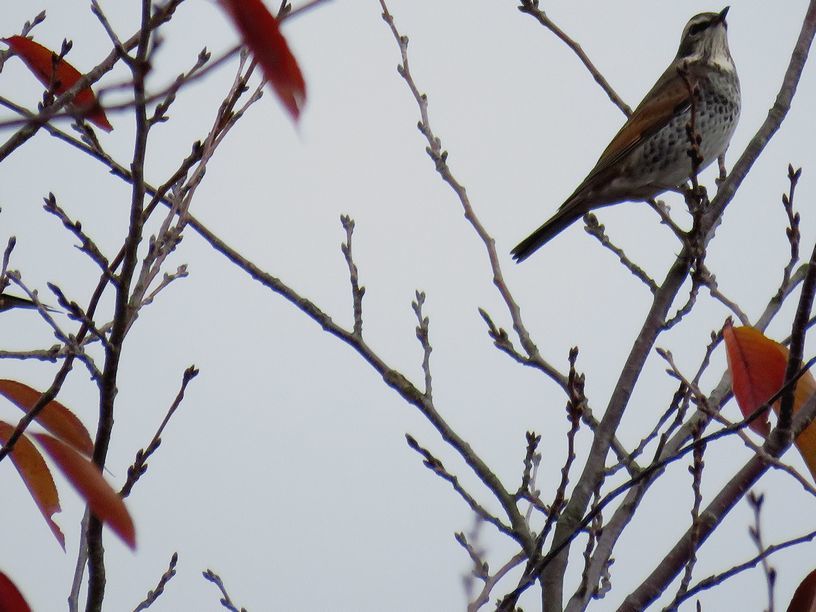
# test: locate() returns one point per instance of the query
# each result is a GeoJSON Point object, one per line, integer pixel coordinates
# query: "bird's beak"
{"type": "Point", "coordinates": [723, 13]}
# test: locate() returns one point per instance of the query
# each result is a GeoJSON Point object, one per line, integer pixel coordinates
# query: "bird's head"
{"type": "Point", "coordinates": [705, 40]}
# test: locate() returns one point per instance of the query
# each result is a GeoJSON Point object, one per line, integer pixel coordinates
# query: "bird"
{"type": "Point", "coordinates": [650, 154]}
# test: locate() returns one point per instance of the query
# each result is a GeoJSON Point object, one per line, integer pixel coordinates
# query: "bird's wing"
{"type": "Point", "coordinates": [669, 96]}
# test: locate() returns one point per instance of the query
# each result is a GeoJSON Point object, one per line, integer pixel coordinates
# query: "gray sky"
{"type": "Point", "coordinates": [286, 469]}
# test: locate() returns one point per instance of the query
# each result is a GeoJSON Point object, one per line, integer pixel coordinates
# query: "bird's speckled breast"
{"type": "Point", "coordinates": [659, 162]}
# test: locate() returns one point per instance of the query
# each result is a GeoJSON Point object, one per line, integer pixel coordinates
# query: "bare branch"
{"type": "Point", "coordinates": [717, 579]}
{"type": "Point", "coordinates": [436, 466]}
{"type": "Point", "coordinates": [440, 159]}
{"type": "Point", "coordinates": [163, 14]}
{"type": "Point", "coordinates": [596, 229]}
{"type": "Point", "coordinates": [755, 501]}
{"type": "Point", "coordinates": [531, 8]}
{"type": "Point", "coordinates": [696, 470]}
{"type": "Point", "coordinates": [792, 231]}
{"type": "Point", "coordinates": [139, 466]}
{"type": "Point", "coordinates": [357, 292]}
{"type": "Point", "coordinates": [166, 577]}
{"type": "Point", "coordinates": [491, 581]}
{"type": "Point", "coordinates": [211, 576]}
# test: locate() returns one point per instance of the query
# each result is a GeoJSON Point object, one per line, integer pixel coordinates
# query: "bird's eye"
{"type": "Point", "coordinates": [699, 27]}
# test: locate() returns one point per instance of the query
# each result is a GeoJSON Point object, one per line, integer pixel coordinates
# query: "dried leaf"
{"type": "Point", "coordinates": [260, 33]}
{"type": "Point", "coordinates": [804, 599]}
{"type": "Point", "coordinates": [105, 503]}
{"type": "Point", "coordinates": [11, 600]}
{"type": "Point", "coordinates": [55, 417]}
{"type": "Point", "coordinates": [37, 477]}
{"type": "Point", "coordinates": [59, 77]}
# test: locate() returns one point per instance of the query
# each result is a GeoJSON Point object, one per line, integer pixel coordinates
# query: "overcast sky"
{"type": "Point", "coordinates": [286, 469]}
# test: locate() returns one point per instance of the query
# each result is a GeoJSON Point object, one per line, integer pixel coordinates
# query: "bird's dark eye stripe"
{"type": "Point", "coordinates": [699, 27]}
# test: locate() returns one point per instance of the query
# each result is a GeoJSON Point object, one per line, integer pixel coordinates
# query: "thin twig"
{"type": "Point", "coordinates": [575, 408]}
{"type": "Point", "coordinates": [596, 229]}
{"type": "Point", "coordinates": [531, 8]}
{"type": "Point", "coordinates": [707, 278]}
{"type": "Point", "coordinates": [357, 292]}
{"type": "Point", "coordinates": [436, 466]}
{"type": "Point", "coordinates": [792, 231]}
{"type": "Point", "coordinates": [211, 576]}
{"type": "Point", "coordinates": [696, 470]}
{"type": "Point", "coordinates": [797, 344]}
{"type": "Point", "coordinates": [422, 334]}
{"type": "Point", "coordinates": [491, 581]}
{"type": "Point", "coordinates": [440, 159]}
{"type": "Point", "coordinates": [139, 466]}
{"type": "Point", "coordinates": [718, 579]}
{"type": "Point", "coordinates": [755, 531]}
{"type": "Point", "coordinates": [166, 577]}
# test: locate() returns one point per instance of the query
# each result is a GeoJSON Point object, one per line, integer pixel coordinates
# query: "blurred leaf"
{"type": "Point", "coordinates": [36, 476]}
{"type": "Point", "coordinates": [59, 77]}
{"type": "Point", "coordinates": [55, 417]}
{"type": "Point", "coordinates": [11, 600]}
{"type": "Point", "coordinates": [105, 503]}
{"type": "Point", "coordinates": [804, 599]}
{"type": "Point", "coordinates": [260, 33]}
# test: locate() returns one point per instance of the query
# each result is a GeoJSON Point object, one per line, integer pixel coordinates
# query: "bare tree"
{"type": "Point", "coordinates": [600, 488]}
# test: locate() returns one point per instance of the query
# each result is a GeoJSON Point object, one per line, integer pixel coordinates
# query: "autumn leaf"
{"type": "Point", "coordinates": [37, 478]}
{"type": "Point", "coordinates": [104, 502]}
{"type": "Point", "coordinates": [804, 599]}
{"type": "Point", "coordinates": [55, 417]}
{"type": "Point", "coordinates": [260, 33]}
{"type": "Point", "coordinates": [757, 371]}
{"type": "Point", "coordinates": [59, 77]}
{"type": "Point", "coordinates": [11, 600]}
{"type": "Point", "coordinates": [757, 365]}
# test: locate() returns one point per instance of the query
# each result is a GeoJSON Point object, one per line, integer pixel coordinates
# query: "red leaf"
{"type": "Point", "coordinates": [55, 417]}
{"type": "Point", "coordinates": [105, 503]}
{"type": "Point", "coordinates": [758, 367]}
{"type": "Point", "coordinates": [11, 600]}
{"type": "Point", "coordinates": [260, 32]}
{"type": "Point", "coordinates": [37, 477]}
{"type": "Point", "coordinates": [40, 60]}
{"type": "Point", "coordinates": [804, 599]}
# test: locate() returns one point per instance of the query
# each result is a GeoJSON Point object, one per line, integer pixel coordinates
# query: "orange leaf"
{"type": "Point", "coordinates": [55, 417]}
{"type": "Point", "coordinates": [37, 477]}
{"type": "Point", "coordinates": [757, 370]}
{"type": "Point", "coordinates": [260, 32]}
{"type": "Point", "coordinates": [757, 366]}
{"type": "Point", "coordinates": [11, 600]}
{"type": "Point", "coordinates": [804, 599]}
{"type": "Point", "coordinates": [59, 77]}
{"type": "Point", "coordinates": [805, 441]}
{"type": "Point", "coordinates": [105, 503]}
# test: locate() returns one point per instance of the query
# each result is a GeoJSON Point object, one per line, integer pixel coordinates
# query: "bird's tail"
{"type": "Point", "coordinates": [568, 214]}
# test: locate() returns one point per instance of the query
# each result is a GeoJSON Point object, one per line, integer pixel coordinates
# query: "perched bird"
{"type": "Point", "coordinates": [650, 153]}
